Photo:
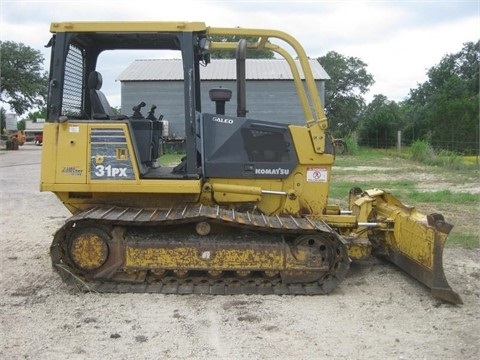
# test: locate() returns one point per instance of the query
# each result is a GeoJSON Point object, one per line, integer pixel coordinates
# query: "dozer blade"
{"type": "Point", "coordinates": [415, 243]}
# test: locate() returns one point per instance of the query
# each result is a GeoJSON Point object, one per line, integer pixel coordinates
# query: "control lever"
{"type": "Point", "coordinates": [151, 113]}
{"type": "Point", "coordinates": [136, 111]}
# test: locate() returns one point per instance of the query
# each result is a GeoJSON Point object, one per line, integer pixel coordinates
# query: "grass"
{"type": "Point", "coordinates": [470, 160]}
{"type": "Point", "coordinates": [170, 159]}
{"type": "Point", "coordinates": [444, 196]}
{"type": "Point", "coordinates": [464, 240]}
{"type": "Point", "coordinates": [420, 152]}
{"type": "Point", "coordinates": [367, 155]}
{"type": "Point", "coordinates": [340, 189]}
{"type": "Point", "coordinates": [423, 152]}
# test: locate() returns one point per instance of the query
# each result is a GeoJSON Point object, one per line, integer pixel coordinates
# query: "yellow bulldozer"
{"type": "Point", "coordinates": [15, 139]}
{"type": "Point", "coordinates": [245, 211]}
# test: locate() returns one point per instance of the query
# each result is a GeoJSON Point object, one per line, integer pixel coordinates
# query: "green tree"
{"type": "Point", "coordinates": [414, 111]}
{"type": "Point", "coordinates": [349, 80]}
{"type": "Point", "coordinates": [21, 125]}
{"type": "Point", "coordinates": [24, 83]}
{"type": "Point", "coordinates": [38, 114]}
{"type": "Point", "coordinates": [230, 54]}
{"type": "Point", "coordinates": [380, 122]}
{"type": "Point", "coordinates": [444, 110]}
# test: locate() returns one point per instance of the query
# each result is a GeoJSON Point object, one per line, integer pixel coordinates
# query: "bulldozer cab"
{"type": "Point", "coordinates": [75, 83]}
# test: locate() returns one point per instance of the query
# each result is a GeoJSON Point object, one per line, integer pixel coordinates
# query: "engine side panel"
{"type": "Point", "coordinates": [245, 148]}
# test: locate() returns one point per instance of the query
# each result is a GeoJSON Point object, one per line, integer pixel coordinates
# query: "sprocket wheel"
{"type": "Point", "coordinates": [334, 252]}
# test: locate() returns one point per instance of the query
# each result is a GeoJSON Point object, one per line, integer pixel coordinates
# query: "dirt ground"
{"type": "Point", "coordinates": [378, 312]}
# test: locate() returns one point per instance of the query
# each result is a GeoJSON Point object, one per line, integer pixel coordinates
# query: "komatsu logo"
{"type": "Point", "coordinates": [279, 171]}
{"type": "Point", "coordinates": [222, 120]}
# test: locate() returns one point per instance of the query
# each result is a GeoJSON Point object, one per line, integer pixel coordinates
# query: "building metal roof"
{"type": "Point", "coordinates": [218, 69]}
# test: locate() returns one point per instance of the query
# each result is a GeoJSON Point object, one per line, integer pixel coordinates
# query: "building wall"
{"type": "Point", "coordinates": [266, 100]}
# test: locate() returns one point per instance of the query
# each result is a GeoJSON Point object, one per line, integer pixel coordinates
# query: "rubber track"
{"type": "Point", "coordinates": [119, 216]}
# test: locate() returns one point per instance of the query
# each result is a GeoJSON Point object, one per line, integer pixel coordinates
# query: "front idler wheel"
{"type": "Point", "coordinates": [88, 248]}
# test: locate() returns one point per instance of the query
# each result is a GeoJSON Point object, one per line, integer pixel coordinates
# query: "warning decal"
{"type": "Point", "coordinates": [317, 174]}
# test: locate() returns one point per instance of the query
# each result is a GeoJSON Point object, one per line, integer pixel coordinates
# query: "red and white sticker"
{"type": "Point", "coordinates": [317, 174]}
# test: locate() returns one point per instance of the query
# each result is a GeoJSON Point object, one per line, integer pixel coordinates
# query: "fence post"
{"type": "Point", "coordinates": [399, 142]}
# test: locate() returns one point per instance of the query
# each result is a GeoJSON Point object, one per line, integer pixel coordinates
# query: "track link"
{"type": "Point", "coordinates": [200, 283]}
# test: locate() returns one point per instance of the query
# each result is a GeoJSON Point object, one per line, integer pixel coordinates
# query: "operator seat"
{"type": "Point", "coordinates": [101, 109]}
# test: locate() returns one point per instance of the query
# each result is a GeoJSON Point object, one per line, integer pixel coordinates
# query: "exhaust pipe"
{"type": "Point", "coordinates": [241, 55]}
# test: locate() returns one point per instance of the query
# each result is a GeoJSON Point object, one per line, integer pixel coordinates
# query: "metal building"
{"type": "Point", "coordinates": [270, 90]}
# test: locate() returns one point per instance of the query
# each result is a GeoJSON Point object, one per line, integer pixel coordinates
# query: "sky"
{"type": "Point", "coordinates": [398, 40]}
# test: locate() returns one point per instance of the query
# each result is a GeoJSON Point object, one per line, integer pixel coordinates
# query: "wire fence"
{"type": "Point", "coordinates": [461, 147]}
